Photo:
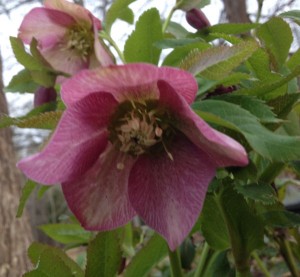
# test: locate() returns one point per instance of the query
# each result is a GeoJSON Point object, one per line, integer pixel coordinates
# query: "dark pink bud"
{"type": "Point", "coordinates": [44, 95]}
{"type": "Point", "coordinates": [197, 19]}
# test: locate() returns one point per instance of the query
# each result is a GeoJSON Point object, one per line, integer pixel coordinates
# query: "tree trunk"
{"type": "Point", "coordinates": [236, 11]}
{"type": "Point", "coordinates": [15, 234]}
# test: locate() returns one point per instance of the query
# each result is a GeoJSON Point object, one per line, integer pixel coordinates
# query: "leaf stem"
{"type": "Point", "coordinates": [260, 264]}
{"type": "Point", "coordinates": [203, 259]}
{"type": "Point", "coordinates": [106, 36]}
{"type": "Point", "coordinates": [175, 263]}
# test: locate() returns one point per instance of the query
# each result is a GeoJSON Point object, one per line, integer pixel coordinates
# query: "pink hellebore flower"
{"type": "Point", "coordinates": [67, 36]}
{"type": "Point", "coordinates": [129, 144]}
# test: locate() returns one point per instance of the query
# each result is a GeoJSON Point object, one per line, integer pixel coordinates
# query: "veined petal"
{"type": "Point", "coordinates": [222, 150]}
{"type": "Point", "coordinates": [80, 14]}
{"type": "Point", "coordinates": [168, 194]}
{"type": "Point", "coordinates": [63, 59]}
{"type": "Point", "coordinates": [99, 198]}
{"type": "Point", "coordinates": [134, 81]}
{"type": "Point", "coordinates": [79, 139]}
{"type": "Point", "coordinates": [47, 26]}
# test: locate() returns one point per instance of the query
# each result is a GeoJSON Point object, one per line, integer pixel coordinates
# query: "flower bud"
{"type": "Point", "coordinates": [44, 95]}
{"type": "Point", "coordinates": [197, 19]}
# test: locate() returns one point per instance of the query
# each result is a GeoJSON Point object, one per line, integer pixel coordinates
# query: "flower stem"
{"type": "Point", "coordinates": [260, 264]}
{"type": "Point", "coordinates": [175, 263]}
{"type": "Point", "coordinates": [203, 259]}
{"type": "Point", "coordinates": [106, 36]}
{"type": "Point", "coordinates": [168, 19]}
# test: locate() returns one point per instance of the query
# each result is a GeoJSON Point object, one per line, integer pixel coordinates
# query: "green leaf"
{"type": "Point", "coordinates": [213, 226]}
{"type": "Point", "coordinates": [255, 106]}
{"type": "Point", "coordinates": [22, 56]}
{"type": "Point", "coordinates": [245, 228]}
{"type": "Point", "coordinates": [179, 53]}
{"type": "Point", "coordinates": [26, 192]}
{"type": "Point", "coordinates": [294, 60]}
{"type": "Point", "coordinates": [104, 255]}
{"type": "Point", "coordinates": [216, 63]}
{"type": "Point", "coordinates": [43, 77]}
{"type": "Point", "coordinates": [232, 28]}
{"type": "Point", "coordinates": [46, 120]}
{"type": "Point", "coordinates": [187, 5]}
{"type": "Point", "coordinates": [66, 233]}
{"type": "Point", "coordinates": [139, 47]}
{"type": "Point", "coordinates": [269, 90]}
{"type": "Point", "coordinates": [119, 10]}
{"type": "Point", "coordinates": [294, 15]}
{"type": "Point", "coordinates": [22, 82]}
{"type": "Point", "coordinates": [173, 43]}
{"type": "Point", "coordinates": [276, 36]}
{"type": "Point", "coordinates": [259, 192]}
{"type": "Point", "coordinates": [177, 30]}
{"type": "Point", "coordinates": [268, 144]}
{"type": "Point", "coordinates": [51, 262]}
{"type": "Point", "coordinates": [281, 219]}
{"type": "Point", "coordinates": [154, 251]}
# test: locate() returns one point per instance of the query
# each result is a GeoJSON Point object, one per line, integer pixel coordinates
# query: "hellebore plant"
{"type": "Point", "coordinates": [67, 36]}
{"type": "Point", "coordinates": [129, 143]}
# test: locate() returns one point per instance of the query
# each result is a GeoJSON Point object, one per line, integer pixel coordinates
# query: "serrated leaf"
{"type": "Point", "coordinates": [51, 261]}
{"type": "Point", "coordinates": [154, 251]}
{"type": "Point", "coordinates": [173, 43]}
{"type": "Point", "coordinates": [187, 5]}
{"type": "Point", "coordinates": [255, 106]}
{"type": "Point", "coordinates": [47, 120]}
{"type": "Point", "coordinates": [179, 53]}
{"type": "Point", "coordinates": [22, 56]}
{"type": "Point", "coordinates": [22, 82]}
{"type": "Point", "coordinates": [294, 60]}
{"type": "Point", "coordinates": [66, 233]}
{"type": "Point", "coordinates": [139, 47]}
{"type": "Point", "coordinates": [213, 226]}
{"type": "Point", "coordinates": [119, 10]}
{"type": "Point", "coordinates": [281, 219]}
{"type": "Point", "coordinates": [104, 255]}
{"type": "Point", "coordinates": [276, 36]}
{"type": "Point", "coordinates": [259, 192]}
{"type": "Point", "coordinates": [216, 63]}
{"type": "Point", "coordinates": [26, 192]}
{"type": "Point", "coordinates": [269, 90]}
{"type": "Point", "coordinates": [294, 15]}
{"type": "Point", "coordinates": [268, 144]}
{"type": "Point", "coordinates": [232, 28]}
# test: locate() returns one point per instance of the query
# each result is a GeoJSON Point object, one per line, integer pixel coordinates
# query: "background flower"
{"type": "Point", "coordinates": [129, 143]}
{"type": "Point", "coordinates": [67, 36]}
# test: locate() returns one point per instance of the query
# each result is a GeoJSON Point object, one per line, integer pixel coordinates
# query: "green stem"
{"type": "Point", "coordinates": [287, 254]}
{"type": "Point", "coordinates": [203, 259]}
{"type": "Point", "coordinates": [260, 264]}
{"type": "Point", "coordinates": [260, 5]}
{"type": "Point", "coordinates": [175, 263]}
{"type": "Point", "coordinates": [244, 273]}
{"type": "Point", "coordinates": [168, 19]}
{"type": "Point", "coordinates": [106, 36]}
{"type": "Point", "coordinates": [271, 172]}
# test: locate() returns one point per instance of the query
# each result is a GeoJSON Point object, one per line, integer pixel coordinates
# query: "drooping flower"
{"type": "Point", "coordinates": [129, 144]}
{"type": "Point", "coordinates": [67, 36]}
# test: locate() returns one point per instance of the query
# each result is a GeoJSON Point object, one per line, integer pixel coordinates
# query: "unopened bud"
{"type": "Point", "coordinates": [44, 95]}
{"type": "Point", "coordinates": [197, 19]}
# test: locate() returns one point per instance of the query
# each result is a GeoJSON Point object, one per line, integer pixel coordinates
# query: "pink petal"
{"type": "Point", "coordinates": [99, 198]}
{"type": "Point", "coordinates": [129, 81]}
{"type": "Point", "coordinates": [168, 194]}
{"type": "Point", "coordinates": [47, 26]}
{"type": "Point", "coordinates": [78, 141]}
{"type": "Point", "coordinates": [222, 150]}
{"type": "Point", "coordinates": [79, 13]}
{"type": "Point", "coordinates": [64, 60]}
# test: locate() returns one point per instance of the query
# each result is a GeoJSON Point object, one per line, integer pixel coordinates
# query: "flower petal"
{"type": "Point", "coordinates": [131, 80]}
{"type": "Point", "coordinates": [99, 199]}
{"type": "Point", "coordinates": [47, 26]}
{"type": "Point", "coordinates": [222, 150]}
{"type": "Point", "coordinates": [76, 11]}
{"type": "Point", "coordinates": [78, 141]}
{"type": "Point", "coordinates": [168, 194]}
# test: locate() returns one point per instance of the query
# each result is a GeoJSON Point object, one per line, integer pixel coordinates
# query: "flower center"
{"type": "Point", "coordinates": [138, 128]}
{"type": "Point", "coordinates": [81, 40]}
